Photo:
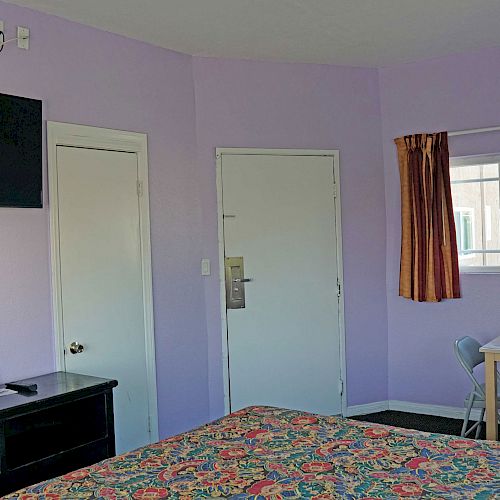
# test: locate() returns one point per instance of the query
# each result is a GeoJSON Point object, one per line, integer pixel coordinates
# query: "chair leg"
{"type": "Point", "coordinates": [480, 423]}
{"type": "Point", "coordinates": [467, 415]}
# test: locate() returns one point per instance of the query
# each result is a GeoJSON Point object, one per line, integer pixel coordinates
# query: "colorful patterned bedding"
{"type": "Point", "coordinates": [263, 452]}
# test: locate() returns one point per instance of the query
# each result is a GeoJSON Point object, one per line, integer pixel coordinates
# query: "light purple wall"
{"type": "Point", "coordinates": [269, 105]}
{"type": "Point", "coordinates": [452, 93]}
{"type": "Point", "coordinates": [91, 77]}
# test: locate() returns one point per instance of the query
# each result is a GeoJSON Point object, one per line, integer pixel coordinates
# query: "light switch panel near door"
{"type": "Point", "coordinates": [205, 267]}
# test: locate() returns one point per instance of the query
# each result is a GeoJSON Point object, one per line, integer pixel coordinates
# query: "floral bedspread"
{"type": "Point", "coordinates": [263, 452]}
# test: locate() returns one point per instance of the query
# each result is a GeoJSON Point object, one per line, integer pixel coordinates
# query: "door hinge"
{"type": "Point", "coordinates": [335, 190]}
{"type": "Point", "coordinates": [341, 387]}
{"type": "Point", "coordinates": [139, 188]}
{"type": "Point", "coordinates": [339, 289]}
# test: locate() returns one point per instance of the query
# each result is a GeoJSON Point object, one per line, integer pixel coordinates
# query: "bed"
{"type": "Point", "coordinates": [264, 452]}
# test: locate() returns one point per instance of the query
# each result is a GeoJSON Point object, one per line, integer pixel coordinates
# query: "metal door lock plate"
{"type": "Point", "coordinates": [235, 283]}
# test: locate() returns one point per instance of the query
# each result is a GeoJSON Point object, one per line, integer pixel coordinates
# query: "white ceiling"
{"type": "Point", "coordinates": [352, 32]}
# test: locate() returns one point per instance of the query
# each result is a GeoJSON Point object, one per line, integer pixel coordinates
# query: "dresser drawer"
{"type": "Point", "coordinates": [44, 433]}
{"type": "Point", "coordinates": [66, 425]}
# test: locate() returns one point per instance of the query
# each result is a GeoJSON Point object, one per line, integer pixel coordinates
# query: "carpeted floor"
{"type": "Point", "coordinates": [428, 423]}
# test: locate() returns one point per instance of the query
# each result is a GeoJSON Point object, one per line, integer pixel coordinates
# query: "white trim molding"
{"type": "Point", "coordinates": [367, 408]}
{"type": "Point", "coordinates": [334, 154]}
{"type": "Point", "coordinates": [436, 410]}
{"type": "Point", "coordinates": [409, 407]}
{"type": "Point", "coordinates": [66, 134]}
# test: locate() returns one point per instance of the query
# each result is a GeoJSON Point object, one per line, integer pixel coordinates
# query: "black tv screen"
{"type": "Point", "coordinates": [20, 152]}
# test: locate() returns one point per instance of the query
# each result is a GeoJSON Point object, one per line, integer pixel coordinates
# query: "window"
{"type": "Point", "coordinates": [475, 188]}
{"type": "Point", "coordinates": [464, 223]}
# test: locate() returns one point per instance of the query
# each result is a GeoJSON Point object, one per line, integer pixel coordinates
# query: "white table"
{"type": "Point", "coordinates": [492, 355]}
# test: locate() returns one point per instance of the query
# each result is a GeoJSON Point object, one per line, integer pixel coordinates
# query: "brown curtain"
{"type": "Point", "coordinates": [429, 256]}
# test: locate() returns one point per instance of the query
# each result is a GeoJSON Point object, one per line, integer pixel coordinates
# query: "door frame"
{"type": "Point", "coordinates": [334, 154]}
{"type": "Point", "coordinates": [82, 136]}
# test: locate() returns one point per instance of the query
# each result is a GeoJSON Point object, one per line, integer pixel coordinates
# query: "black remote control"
{"type": "Point", "coordinates": [22, 387]}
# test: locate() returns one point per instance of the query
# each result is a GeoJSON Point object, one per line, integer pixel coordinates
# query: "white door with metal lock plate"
{"type": "Point", "coordinates": [281, 280]}
{"type": "Point", "coordinates": [101, 306]}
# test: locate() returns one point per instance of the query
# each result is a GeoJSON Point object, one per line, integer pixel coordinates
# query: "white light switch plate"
{"type": "Point", "coordinates": [205, 267]}
{"type": "Point", "coordinates": [2, 27]}
{"type": "Point", "coordinates": [23, 36]}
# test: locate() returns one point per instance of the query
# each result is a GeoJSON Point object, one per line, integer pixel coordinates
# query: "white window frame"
{"type": "Point", "coordinates": [463, 161]}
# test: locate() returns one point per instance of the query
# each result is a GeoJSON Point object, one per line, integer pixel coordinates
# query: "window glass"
{"type": "Point", "coordinates": [490, 171]}
{"type": "Point", "coordinates": [465, 172]}
{"type": "Point", "coordinates": [475, 187]}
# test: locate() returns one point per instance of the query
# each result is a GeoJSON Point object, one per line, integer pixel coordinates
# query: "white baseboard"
{"type": "Point", "coordinates": [424, 409]}
{"type": "Point", "coordinates": [367, 408]}
{"type": "Point", "coordinates": [436, 410]}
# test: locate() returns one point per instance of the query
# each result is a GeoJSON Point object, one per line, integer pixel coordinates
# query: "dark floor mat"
{"type": "Point", "coordinates": [427, 423]}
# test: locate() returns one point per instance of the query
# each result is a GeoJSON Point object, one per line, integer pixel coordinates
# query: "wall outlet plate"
{"type": "Point", "coordinates": [23, 37]}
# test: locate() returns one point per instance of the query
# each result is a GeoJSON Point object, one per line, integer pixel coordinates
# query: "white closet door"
{"type": "Point", "coordinates": [101, 279]}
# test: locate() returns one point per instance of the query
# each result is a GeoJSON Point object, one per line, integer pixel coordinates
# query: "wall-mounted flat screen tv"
{"type": "Point", "coordinates": [20, 152]}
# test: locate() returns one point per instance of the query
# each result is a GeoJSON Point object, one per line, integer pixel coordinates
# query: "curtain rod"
{"type": "Point", "coordinates": [474, 131]}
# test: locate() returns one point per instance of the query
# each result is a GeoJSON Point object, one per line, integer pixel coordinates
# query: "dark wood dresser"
{"type": "Point", "coordinates": [67, 424]}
